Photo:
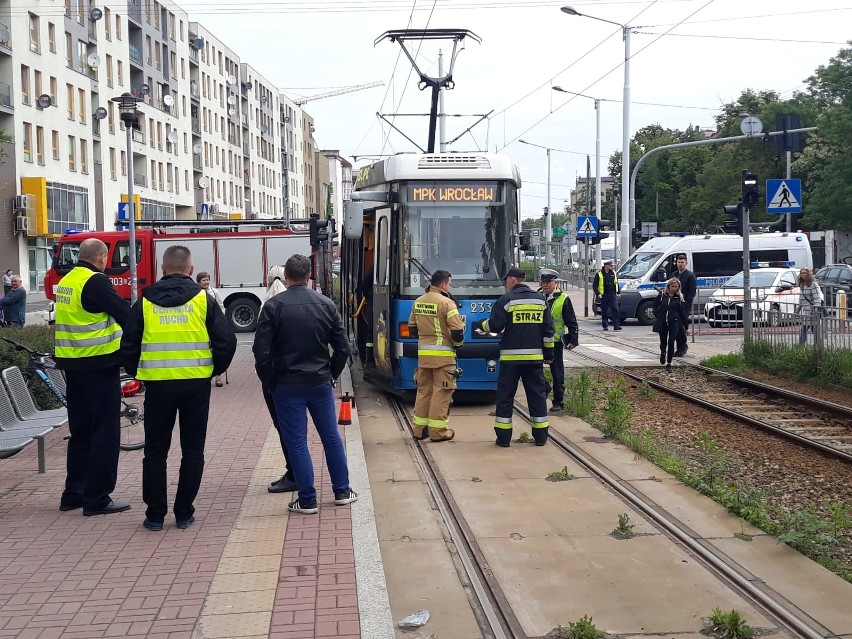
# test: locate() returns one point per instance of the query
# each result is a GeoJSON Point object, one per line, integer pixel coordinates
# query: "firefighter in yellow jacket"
{"type": "Point", "coordinates": [436, 322]}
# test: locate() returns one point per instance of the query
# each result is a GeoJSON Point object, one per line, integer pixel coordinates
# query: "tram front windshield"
{"type": "Point", "coordinates": [465, 229]}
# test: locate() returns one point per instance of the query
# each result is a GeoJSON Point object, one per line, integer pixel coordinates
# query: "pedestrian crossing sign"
{"type": "Point", "coordinates": [587, 226]}
{"type": "Point", "coordinates": [783, 196]}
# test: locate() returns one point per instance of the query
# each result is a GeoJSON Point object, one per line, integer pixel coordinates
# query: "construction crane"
{"type": "Point", "coordinates": [331, 94]}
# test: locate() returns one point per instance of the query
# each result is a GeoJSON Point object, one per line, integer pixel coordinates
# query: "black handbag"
{"type": "Point", "coordinates": [658, 325]}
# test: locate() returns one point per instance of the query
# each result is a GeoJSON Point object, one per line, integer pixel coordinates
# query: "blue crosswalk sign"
{"type": "Point", "coordinates": [587, 226]}
{"type": "Point", "coordinates": [783, 196]}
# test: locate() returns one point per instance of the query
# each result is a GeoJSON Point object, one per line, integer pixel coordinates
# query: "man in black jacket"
{"type": "Point", "coordinates": [176, 341]}
{"type": "Point", "coordinates": [291, 346]}
{"type": "Point", "coordinates": [688, 287]}
{"type": "Point", "coordinates": [89, 318]}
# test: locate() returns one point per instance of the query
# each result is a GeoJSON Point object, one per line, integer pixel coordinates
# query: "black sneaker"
{"type": "Point", "coordinates": [307, 508]}
{"type": "Point", "coordinates": [556, 409]}
{"type": "Point", "coordinates": [345, 497]}
{"type": "Point", "coordinates": [186, 523]}
{"type": "Point", "coordinates": [283, 485]}
{"type": "Point", "coordinates": [662, 358]}
{"type": "Point", "coordinates": [668, 368]}
{"type": "Point", "coordinates": [150, 524]}
{"type": "Point", "coordinates": [679, 353]}
{"type": "Point", "coordinates": [616, 328]}
{"type": "Point", "coordinates": [605, 328]}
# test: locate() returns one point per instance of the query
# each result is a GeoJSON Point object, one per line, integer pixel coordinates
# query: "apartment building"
{"type": "Point", "coordinates": [213, 138]}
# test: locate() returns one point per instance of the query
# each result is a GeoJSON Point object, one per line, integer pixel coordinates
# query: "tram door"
{"type": "Point", "coordinates": [382, 321]}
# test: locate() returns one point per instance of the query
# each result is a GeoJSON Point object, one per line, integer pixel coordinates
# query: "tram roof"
{"type": "Point", "coordinates": [439, 166]}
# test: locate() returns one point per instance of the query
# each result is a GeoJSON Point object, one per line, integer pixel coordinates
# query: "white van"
{"type": "Point", "coordinates": [713, 258]}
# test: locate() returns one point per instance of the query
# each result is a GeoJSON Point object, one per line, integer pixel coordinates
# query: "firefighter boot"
{"type": "Point", "coordinates": [540, 436]}
{"type": "Point", "coordinates": [504, 437]}
{"type": "Point", "coordinates": [441, 434]}
{"type": "Point", "coordinates": [420, 431]}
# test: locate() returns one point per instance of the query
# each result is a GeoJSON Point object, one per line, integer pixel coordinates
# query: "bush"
{"type": "Point", "coordinates": [39, 338]}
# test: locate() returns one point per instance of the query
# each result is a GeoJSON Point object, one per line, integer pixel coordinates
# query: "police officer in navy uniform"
{"type": "Point", "coordinates": [90, 315]}
{"type": "Point", "coordinates": [566, 332]}
{"type": "Point", "coordinates": [177, 339]}
{"type": "Point", "coordinates": [606, 286]}
{"type": "Point", "coordinates": [524, 319]}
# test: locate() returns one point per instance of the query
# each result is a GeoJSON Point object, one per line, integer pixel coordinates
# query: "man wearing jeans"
{"type": "Point", "coordinates": [291, 350]}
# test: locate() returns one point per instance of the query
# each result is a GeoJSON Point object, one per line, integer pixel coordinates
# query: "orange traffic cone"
{"type": "Point", "coordinates": [344, 417]}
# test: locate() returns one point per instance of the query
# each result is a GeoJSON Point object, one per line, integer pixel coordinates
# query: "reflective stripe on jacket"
{"type": "Point", "coordinates": [80, 333]}
{"type": "Point", "coordinates": [524, 318]}
{"type": "Point", "coordinates": [439, 328]}
{"type": "Point", "coordinates": [175, 341]}
{"type": "Point", "coordinates": [601, 277]}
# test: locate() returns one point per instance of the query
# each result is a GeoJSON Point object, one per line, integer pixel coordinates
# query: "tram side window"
{"type": "Point", "coordinates": [382, 251]}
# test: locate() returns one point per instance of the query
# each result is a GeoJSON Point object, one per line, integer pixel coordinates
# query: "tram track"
{"type": "Point", "coordinates": [733, 574]}
{"type": "Point", "coordinates": [816, 424]}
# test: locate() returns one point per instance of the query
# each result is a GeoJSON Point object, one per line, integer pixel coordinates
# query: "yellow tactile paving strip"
{"type": "Point", "coordinates": [242, 594]}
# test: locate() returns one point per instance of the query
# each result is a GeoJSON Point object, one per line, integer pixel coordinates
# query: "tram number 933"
{"type": "Point", "coordinates": [480, 307]}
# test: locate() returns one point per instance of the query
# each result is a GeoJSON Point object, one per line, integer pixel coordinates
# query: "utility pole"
{"type": "Point", "coordinates": [442, 117]}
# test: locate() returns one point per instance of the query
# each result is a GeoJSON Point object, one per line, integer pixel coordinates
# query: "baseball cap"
{"type": "Point", "coordinates": [515, 272]}
{"type": "Point", "coordinates": [548, 274]}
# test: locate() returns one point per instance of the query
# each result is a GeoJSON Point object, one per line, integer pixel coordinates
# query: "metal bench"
{"type": "Point", "coordinates": [32, 428]}
{"type": "Point", "coordinates": [23, 402]}
{"type": "Point", "coordinates": [11, 443]}
{"type": "Point", "coordinates": [58, 378]}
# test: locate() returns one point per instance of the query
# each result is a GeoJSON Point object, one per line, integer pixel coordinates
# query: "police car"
{"type": "Point", "coordinates": [773, 290]}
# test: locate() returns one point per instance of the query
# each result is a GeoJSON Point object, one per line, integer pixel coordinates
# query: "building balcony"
{"type": "Point", "coordinates": [140, 179]}
{"type": "Point", "coordinates": [246, 149]}
{"type": "Point", "coordinates": [196, 126]}
{"type": "Point", "coordinates": [6, 96]}
{"type": "Point", "coordinates": [193, 54]}
{"type": "Point", "coordinates": [245, 120]}
{"type": "Point", "coordinates": [138, 136]}
{"type": "Point", "coordinates": [6, 45]}
{"type": "Point", "coordinates": [196, 163]}
{"type": "Point", "coordinates": [135, 54]}
{"type": "Point", "coordinates": [233, 139]}
{"type": "Point", "coordinates": [246, 180]}
{"type": "Point", "coordinates": [134, 11]}
{"type": "Point", "coordinates": [96, 127]}
{"type": "Point", "coordinates": [193, 89]}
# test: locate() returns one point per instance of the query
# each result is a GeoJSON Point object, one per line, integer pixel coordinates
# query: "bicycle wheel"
{"type": "Point", "coordinates": [132, 414]}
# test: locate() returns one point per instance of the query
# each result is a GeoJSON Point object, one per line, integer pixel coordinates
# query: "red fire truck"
{"type": "Point", "coordinates": [237, 254]}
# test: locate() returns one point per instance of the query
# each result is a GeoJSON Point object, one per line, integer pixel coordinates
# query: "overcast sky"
{"type": "Point", "coordinates": [713, 50]}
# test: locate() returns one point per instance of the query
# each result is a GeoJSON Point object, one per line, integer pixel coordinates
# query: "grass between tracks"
{"type": "Point", "coordinates": [821, 531]}
{"type": "Point", "coordinates": [800, 362]}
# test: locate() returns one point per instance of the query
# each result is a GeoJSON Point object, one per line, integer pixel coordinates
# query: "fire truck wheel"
{"type": "Point", "coordinates": [243, 314]}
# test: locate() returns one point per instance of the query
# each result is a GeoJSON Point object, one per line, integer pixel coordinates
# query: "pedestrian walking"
{"type": "Point", "coordinates": [606, 286]}
{"type": "Point", "coordinates": [90, 316]}
{"type": "Point", "coordinates": [524, 319]}
{"type": "Point", "coordinates": [175, 341]}
{"type": "Point", "coordinates": [811, 301]}
{"type": "Point", "coordinates": [670, 310]}
{"type": "Point", "coordinates": [203, 280]}
{"type": "Point", "coordinates": [565, 335]}
{"type": "Point", "coordinates": [7, 280]}
{"type": "Point", "coordinates": [688, 288]}
{"type": "Point", "coordinates": [291, 350]}
{"type": "Point", "coordinates": [439, 329]}
{"type": "Point", "coordinates": [287, 482]}
{"type": "Point", "coordinates": [14, 303]}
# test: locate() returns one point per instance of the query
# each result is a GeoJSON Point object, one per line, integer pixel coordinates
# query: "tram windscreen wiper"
{"type": "Point", "coordinates": [420, 267]}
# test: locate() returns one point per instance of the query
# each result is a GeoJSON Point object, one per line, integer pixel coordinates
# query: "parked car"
{"type": "Point", "coordinates": [834, 278]}
{"type": "Point", "coordinates": [773, 290]}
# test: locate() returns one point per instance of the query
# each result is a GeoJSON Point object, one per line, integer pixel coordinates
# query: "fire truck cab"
{"type": "Point", "coordinates": [237, 256]}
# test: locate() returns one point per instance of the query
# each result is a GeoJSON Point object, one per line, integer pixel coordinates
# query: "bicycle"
{"type": "Point", "coordinates": [132, 414]}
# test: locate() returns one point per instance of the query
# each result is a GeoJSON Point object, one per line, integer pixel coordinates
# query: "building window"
{"type": "Point", "coordinates": [67, 208]}
{"type": "Point", "coordinates": [35, 33]}
{"type": "Point", "coordinates": [54, 98]}
{"type": "Point", "coordinates": [181, 30]}
{"type": "Point", "coordinates": [107, 23]}
{"type": "Point", "coordinates": [173, 59]}
{"type": "Point", "coordinates": [81, 10]}
{"type": "Point", "coordinates": [123, 163]}
{"type": "Point", "coordinates": [118, 27]}
{"type": "Point", "coordinates": [69, 51]}
{"type": "Point", "coordinates": [37, 84]}
{"type": "Point", "coordinates": [111, 117]}
{"type": "Point", "coordinates": [157, 55]}
{"type": "Point", "coordinates": [109, 70]}
{"type": "Point", "coordinates": [72, 153]}
{"type": "Point", "coordinates": [148, 49]}
{"type": "Point", "coordinates": [119, 68]}
{"type": "Point", "coordinates": [112, 164]}
{"type": "Point", "coordinates": [28, 142]}
{"type": "Point", "coordinates": [84, 156]}
{"type": "Point", "coordinates": [51, 36]}
{"type": "Point", "coordinates": [25, 84]}
{"type": "Point", "coordinates": [81, 94]}
{"type": "Point", "coordinates": [83, 57]}
{"type": "Point", "coordinates": [54, 138]}
{"type": "Point", "coordinates": [153, 174]}
{"type": "Point", "coordinates": [68, 8]}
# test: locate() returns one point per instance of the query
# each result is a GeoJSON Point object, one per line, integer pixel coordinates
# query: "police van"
{"type": "Point", "coordinates": [713, 258]}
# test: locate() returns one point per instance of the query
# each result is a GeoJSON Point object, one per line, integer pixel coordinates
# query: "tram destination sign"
{"type": "Point", "coordinates": [453, 193]}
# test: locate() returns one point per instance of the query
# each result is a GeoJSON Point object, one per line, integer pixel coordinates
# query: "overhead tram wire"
{"type": "Point", "coordinates": [741, 17]}
{"type": "Point", "coordinates": [618, 66]}
{"type": "Point", "coordinates": [748, 38]}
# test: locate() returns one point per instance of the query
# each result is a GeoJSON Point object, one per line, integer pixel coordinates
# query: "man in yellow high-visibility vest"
{"type": "Point", "coordinates": [89, 318]}
{"type": "Point", "coordinates": [175, 342]}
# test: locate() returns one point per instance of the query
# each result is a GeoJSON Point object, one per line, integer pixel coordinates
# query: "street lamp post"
{"type": "Point", "coordinates": [597, 159]}
{"type": "Point", "coordinates": [130, 116]}
{"type": "Point", "coordinates": [286, 172]}
{"type": "Point", "coordinates": [627, 221]}
{"type": "Point", "coordinates": [547, 223]}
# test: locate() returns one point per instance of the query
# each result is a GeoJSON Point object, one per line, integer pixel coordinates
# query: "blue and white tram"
{"type": "Point", "coordinates": [418, 213]}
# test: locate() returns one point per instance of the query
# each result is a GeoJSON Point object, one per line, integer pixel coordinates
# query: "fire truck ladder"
{"type": "Point", "coordinates": [446, 81]}
{"type": "Point", "coordinates": [222, 225]}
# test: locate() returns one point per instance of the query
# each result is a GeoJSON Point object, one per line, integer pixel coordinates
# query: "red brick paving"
{"type": "Point", "coordinates": [65, 575]}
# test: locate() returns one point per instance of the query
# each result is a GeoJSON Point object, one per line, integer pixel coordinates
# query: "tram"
{"type": "Point", "coordinates": [412, 214]}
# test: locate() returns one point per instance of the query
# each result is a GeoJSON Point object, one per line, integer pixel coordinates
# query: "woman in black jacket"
{"type": "Point", "coordinates": [670, 310]}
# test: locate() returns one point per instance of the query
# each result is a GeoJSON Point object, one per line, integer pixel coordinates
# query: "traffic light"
{"type": "Point", "coordinates": [319, 231]}
{"type": "Point", "coordinates": [524, 240]}
{"type": "Point", "coordinates": [597, 240]}
{"type": "Point", "coordinates": [736, 225]}
{"type": "Point", "coordinates": [750, 193]}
